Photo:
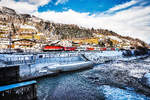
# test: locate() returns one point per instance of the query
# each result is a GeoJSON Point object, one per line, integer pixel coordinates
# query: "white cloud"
{"type": "Point", "coordinates": [61, 2]}
{"type": "Point", "coordinates": [122, 6]}
{"type": "Point", "coordinates": [24, 6]}
{"type": "Point", "coordinates": [37, 2]}
{"type": "Point", "coordinates": [132, 22]}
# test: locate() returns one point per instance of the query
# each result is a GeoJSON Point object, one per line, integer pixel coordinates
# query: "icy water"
{"type": "Point", "coordinates": [117, 80]}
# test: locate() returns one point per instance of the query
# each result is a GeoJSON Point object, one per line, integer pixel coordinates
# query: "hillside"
{"type": "Point", "coordinates": [28, 31]}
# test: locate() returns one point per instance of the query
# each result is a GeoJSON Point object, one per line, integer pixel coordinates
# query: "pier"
{"type": "Point", "coordinates": [11, 87]}
{"type": "Point", "coordinates": [32, 66]}
{"type": "Point", "coordinates": [17, 69]}
{"type": "Point", "coordinates": [19, 91]}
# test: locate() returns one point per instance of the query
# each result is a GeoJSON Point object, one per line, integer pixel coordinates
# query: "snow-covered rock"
{"type": "Point", "coordinates": [115, 38]}
{"type": "Point", "coordinates": [65, 43]}
{"type": "Point", "coordinates": [128, 53]}
{"type": "Point", "coordinates": [101, 57]}
{"type": "Point", "coordinates": [146, 79]}
{"type": "Point", "coordinates": [113, 93]}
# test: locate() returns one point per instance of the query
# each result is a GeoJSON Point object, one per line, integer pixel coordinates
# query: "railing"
{"type": "Point", "coordinates": [37, 58]}
{"type": "Point", "coordinates": [52, 57]}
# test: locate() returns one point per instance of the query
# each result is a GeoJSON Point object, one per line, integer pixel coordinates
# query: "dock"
{"type": "Point", "coordinates": [18, 71]}
{"type": "Point", "coordinates": [19, 91]}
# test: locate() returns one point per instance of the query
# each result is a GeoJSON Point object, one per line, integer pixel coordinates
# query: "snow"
{"type": "Point", "coordinates": [66, 57]}
{"type": "Point", "coordinates": [131, 58]}
{"type": "Point", "coordinates": [48, 64]}
{"type": "Point", "coordinates": [112, 93]}
{"type": "Point", "coordinates": [105, 53]}
{"type": "Point", "coordinates": [35, 70]}
{"type": "Point", "coordinates": [65, 43]}
{"type": "Point", "coordinates": [146, 79]}
{"type": "Point", "coordinates": [101, 57]}
{"type": "Point", "coordinates": [138, 72]}
{"type": "Point", "coordinates": [27, 27]}
{"type": "Point", "coordinates": [147, 75]}
{"type": "Point", "coordinates": [8, 57]}
{"type": "Point", "coordinates": [115, 38]}
{"type": "Point", "coordinates": [4, 27]}
{"type": "Point", "coordinates": [53, 65]}
{"type": "Point", "coordinates": [75, 66]}
{"type": "Point", "coordinates": [98, 35]}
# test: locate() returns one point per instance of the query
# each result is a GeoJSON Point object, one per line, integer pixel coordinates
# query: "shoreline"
{"type": "Point", "coordinates": [121, 76]}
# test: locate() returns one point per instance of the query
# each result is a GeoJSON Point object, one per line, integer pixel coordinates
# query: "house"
{"type": "Point", "coordinates": [26, 32]}
{"type": "Point", "coordinates": [24, 43]}
{"type": "Point", "coordinates": [4, 43]}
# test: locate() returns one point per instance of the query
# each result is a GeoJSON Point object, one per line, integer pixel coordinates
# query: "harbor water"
{"type": "Point", "coordinates": [115, 80]}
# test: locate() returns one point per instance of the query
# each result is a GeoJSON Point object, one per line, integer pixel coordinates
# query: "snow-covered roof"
{"type": "Point", "coordinates": [98, 35]}
{"type": "Point", "coordinates": [115, 38]}
{"type": "Point", "coordinates": [65, 43]}
{"type": "Point", "coordinates": [126, 40]}
{"type": "Point", "coordinates": [85, 46]}
{"type": "Point", "coordinates": [27, 27]}
{"type": "Point", "coordinates": [56, 41]}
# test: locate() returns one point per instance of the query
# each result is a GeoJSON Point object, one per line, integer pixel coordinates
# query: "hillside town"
{"type": "Point", "coordinates": [29, 33]}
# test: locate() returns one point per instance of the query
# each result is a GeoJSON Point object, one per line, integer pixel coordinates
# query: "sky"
{"type": "Point", "coordinates": [125, 17]}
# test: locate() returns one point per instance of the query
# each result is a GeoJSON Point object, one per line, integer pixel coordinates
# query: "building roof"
{"type": "Point", "coordinates": [24, 40]}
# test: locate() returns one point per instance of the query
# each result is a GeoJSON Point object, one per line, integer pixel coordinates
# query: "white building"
{"type": "Point", "coordinates": [65, 43]}
{"type": "Point", "coordinates": [4, 43]}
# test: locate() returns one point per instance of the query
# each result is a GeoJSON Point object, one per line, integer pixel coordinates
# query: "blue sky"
{"type": "Point", "coordinates": [92, 6]}
{"type": "Point", "coordinates": [125, 17]}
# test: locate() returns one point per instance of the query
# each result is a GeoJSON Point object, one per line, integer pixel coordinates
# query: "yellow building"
{"type": "Point", "coordinates": [4, 30]}
{"type": "Point", "coordinates": [23, 43]}
{"type": "Point", "coordinates": [87, 41]}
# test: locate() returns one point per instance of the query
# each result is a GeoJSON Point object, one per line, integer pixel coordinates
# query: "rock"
{"type": "Point", "coordinates": [127, 53]}
{"type": "Point", "coordinates": [140, 51]}
{"type": "Point", "coordinates": [146, 79]}
{"type": "Point", "coordinates": [25, 15]}
{"type": "Point", "coordinates": [113, 93]}
{"type": "Point", "coordinates": [148, 51]}
{"type": "Point", "coordinates": [136, 52]}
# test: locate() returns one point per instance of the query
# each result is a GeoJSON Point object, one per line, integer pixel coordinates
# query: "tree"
{"type": "Point", "coordinates": [101, 44]}
{"type": "Point", "coordinates": [110, 42]}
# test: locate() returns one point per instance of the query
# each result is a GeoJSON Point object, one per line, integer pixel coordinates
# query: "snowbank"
{"type": "Point", "coordinates": [27, 27]}
{"type": "Point", "coordinates": [115, 38]}
{"type": "Point", "coordinates": [146, 79]}
{"type": "Point", "coordinates": [101, 57]}
{"type": "Point", "coordinates": [112, 93]}
{"type": "Point", "coordinates": [76, 66]}
{"type": "Point", "coordinates": [39, 70]}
